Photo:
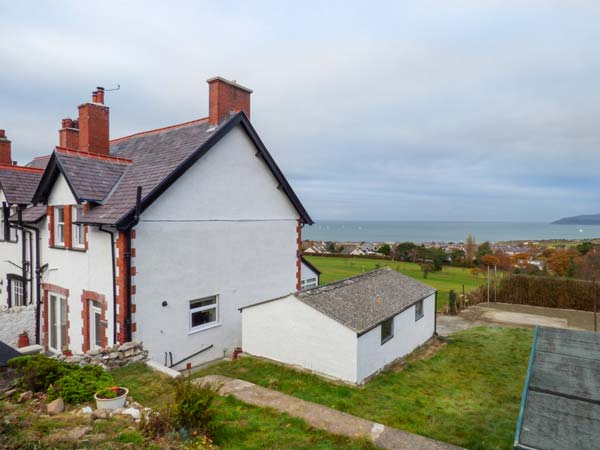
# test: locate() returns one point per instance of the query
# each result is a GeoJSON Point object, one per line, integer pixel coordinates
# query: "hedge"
{"type": "Point", "coordinates": [551, 292]}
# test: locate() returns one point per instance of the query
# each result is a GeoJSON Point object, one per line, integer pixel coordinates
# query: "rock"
{"type": "Point", "coordinates": [115, 412]}
{"type": "Point", "coordinates": [129, 353]}
{"type": "Point", "coordinates": [129, 345]}
{"type": "Point", "coordinates": [138, 358]}
{"type": "Point", "coordinates": [56, 407]}
{"type": "Point", "coordinates": [93, 352]}
{"type": "Point", "coordinates": [133, 412]}
{"type": "Point", "coordinates": [101, 414]}
{"type": "Point", "coordinates": [25, 396]}
{"type": "Point", "coordinates": [75, 359]}
{"type": "Point", "coordinates": [113, 355]}
{"type": "Point", "coordinates": [86, 410]}
{"type": "Point", "coordinates": [9, 393]}
{"type": "Point", "coordinates": [77, 433]}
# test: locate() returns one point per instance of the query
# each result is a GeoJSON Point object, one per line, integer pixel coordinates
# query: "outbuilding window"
{"type": "Point", "coordinates": [59, 226]}
{"type": "Point", "coordinates": [204, 313]}
{"type": "Point", "coordinates": [387, 330]}
{"type": "Point", "coordinates": [418, 310]}
{"type": "Point", "coordinates": [309, 283]}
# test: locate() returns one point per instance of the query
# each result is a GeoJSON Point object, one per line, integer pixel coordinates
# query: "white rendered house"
{"type": "Point", "coordinates": [164, 235]}
{"type": "Point", "coordinates": [348, 330]}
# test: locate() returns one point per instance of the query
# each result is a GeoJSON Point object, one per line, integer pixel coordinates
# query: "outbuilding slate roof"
{"type": "Point", "coordinates": [364, 301]}
{"type": "Point", "coordinates": [19, 183]}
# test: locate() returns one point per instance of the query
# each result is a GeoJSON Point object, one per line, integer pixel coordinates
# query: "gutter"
{"type": "Point", "coordinates": [114, 280]}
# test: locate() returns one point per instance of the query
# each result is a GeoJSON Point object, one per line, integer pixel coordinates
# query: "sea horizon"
{"type": "Point", "coordinates": [419, 231]}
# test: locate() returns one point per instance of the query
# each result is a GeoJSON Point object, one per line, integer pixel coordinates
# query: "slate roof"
{"type": "Point", "coordinates": [364, 301]}
{"type": "Point", "coordinates": [560, 407]}
{"type": "Point", "coordinates": [32, 214]}
{"type": "Point", "coordinates": [19, 183]}
{"type": "Point", "coordinates": [155, 160]}
{"type": "Point", "coordinates": [7, 353]}
{"type": "Point", "coordinates": [40, 162]}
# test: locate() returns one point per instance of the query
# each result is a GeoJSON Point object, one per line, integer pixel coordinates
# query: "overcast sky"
{"type": "Point", "coordinates": [424, 110]}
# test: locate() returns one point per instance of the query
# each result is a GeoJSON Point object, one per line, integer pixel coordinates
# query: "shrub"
{"type": "Point", "coordinates": [73, 383]}
{"type": "Point", "coordinates": [155, 424]}
{"type": "Point", "coordinates": [36, 373]}
{"type": "Point", "coordinates": [192, 409]}
{"type": "Point", "coordinates": [80, 385]}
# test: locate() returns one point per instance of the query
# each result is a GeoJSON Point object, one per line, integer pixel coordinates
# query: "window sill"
{"type": "Point", "coordinates": [387, 339]}
{"type": "Point", "coordinates": [419, 317]}
{"type": "Point", "coordinates": [58, 247]}
{"type": "Point", "coordinates": [79, 249]}
{"type": "Point", "coordinates": [207, 327]}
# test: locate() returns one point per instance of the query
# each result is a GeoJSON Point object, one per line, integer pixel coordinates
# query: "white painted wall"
{"type": "Point", "coordinates": [408, 335]}
{"type": "Point", "coordinates": [292, 332]}
{"type": "Point", "coordinates": [77, 270]}
{"type": "Point", "coordinates": [307, 274]}
{"type": "Point", "coordinates": [222, 229]}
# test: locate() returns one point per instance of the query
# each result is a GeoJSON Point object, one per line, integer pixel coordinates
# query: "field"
{"type": "Point", "coordinates": [334, 269]}
{"type": "Point", "coordinates": [467, 394]}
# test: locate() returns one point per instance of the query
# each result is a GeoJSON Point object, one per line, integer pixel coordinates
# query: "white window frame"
{"type": "Point", "coordinates": [58, 303]}
{"type": "Point", "coordinates": [391, 336]}
{"type": "Point", "coordinates": [214, 306]}
{"type": "Point", "coordinates": [59, 227]}
{"type": "Point", "coordinates": [16, 288]}
{"type": "Point", "coordinates": [78, 232]}
{"type": "Point", "coordinates": [419, 305]}
{"type": "Point", "coordinates": [310, 283]}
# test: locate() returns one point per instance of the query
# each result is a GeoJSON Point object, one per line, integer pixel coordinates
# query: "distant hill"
{"type": "Point", "coordinates": [589, 219]}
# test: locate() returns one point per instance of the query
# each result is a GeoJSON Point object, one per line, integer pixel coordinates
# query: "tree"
{"type": "Point", "coordinates": [588, 267]}
{"type": "Point", "coordinates": [585, 247]}
{"type": "Point", "coordinates": [404, 251]}
{"type": "Point", "coordinates": [521, 260]}
{"type": "Point", "coordinates": [470, 249]}
{"type": "Point", "coordinates": [457, 257]}
{"type": "Point", "coordinates": [490, 260]}
{"type": "Point", "coordinates": [563, 262]}
{"type": "Point", "coordinates": [384, 249]}
{"type": "Point", "coordinates": [484, 249]}
{"type": "Point", "coordinates": [426, 267]}
{"type": "Point", "coordinates": [330, 246]}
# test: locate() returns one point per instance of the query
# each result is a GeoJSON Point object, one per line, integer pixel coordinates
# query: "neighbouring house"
{"type": "Point", "coordinates": [348, 330]}
{"type": "Point", "coordinates": [310, 275]}
{"type": "Point", "coordinates": [317, 249]}
{"type": "Point", "coordinates": [162, 236]}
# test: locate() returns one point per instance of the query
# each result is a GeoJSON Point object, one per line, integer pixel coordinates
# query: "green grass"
{"type": "Point", "coordinates": [467, 394]}
{"type": "Point", "coordinates": [334, 269]}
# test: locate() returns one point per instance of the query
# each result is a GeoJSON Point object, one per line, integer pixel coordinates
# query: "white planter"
{"type": "Point", "coordinates": [112, 403]}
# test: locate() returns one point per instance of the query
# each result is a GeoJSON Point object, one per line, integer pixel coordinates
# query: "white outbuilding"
{"type": "Point", "coordinates": [348, 330]}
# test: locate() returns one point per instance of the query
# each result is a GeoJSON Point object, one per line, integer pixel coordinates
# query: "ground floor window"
{"type": "Point", "coordinates": [204, 312]}
{"type": "Point", "coordinates": [57, 322]}
{"type": "Point", "coordinates": [16, 293]}
{"type": "Point", "coordinates": [309, 283]}
{"type": "Point", "coordinates": [387, 330]}
{"type": "Point", "coordinates": [95, 329]}
{"type": "Point", "coordinates": [418, 310]}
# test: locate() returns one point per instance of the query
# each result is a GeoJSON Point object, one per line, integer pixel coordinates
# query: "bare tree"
{"type": "Point", "coordinates": [470, 249]}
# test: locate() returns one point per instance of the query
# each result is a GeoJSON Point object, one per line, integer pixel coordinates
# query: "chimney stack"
{"type": "Point", "coordinates": [226, 97]}
{"type": "Point", "coordinates": [5, 151]}
{"type": "Point", "coordinates": [69, 134]}
{"type": "Point", "coordinates": [94, 125]}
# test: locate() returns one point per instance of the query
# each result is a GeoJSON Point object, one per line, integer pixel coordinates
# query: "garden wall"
{"type": "Point", "coordinates": [13, 321]}
{"type": "Point", "coordinates": [548, 292]}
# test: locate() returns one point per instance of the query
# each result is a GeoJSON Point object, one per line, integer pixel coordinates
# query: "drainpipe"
{"type": "Point", "coordinates": [114, 280]}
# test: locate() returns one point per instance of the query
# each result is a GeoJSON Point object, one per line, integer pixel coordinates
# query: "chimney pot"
{"type": "Point", "coordinates": [68, 136]}
{"type": "Point", "coordinates": [2, 133]}
{"type": "Point", "coordinates": [225, 97]}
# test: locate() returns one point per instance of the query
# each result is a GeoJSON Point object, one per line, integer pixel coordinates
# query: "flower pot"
{"type": "Point", "coordinates": [112, 403]}
{"type": "Point", "coordinates": [67, 353]}
{"type": "Point", "coordinates": [23, 340]}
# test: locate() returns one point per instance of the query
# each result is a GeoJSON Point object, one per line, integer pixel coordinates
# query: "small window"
{"type": "Point", "coordinates": [16, 295]}
{"type": "Point", "coordinates": [309, 283]}
{"type": "Point", "coordinates": [387, 330]}
{"type": "Point", "coordinates": [418, 310]}
{"type": "Point", "coordinates": [78, 229]}
{"type": "Point", "coordinates": [59, 226]}
{"type": "Point", "coordinates": [203, 313]}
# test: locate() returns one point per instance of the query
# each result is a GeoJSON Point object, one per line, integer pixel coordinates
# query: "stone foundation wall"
{"type": "Point", "coordinates": [118, 355]}
{"type": "Point", "coordinates": [13, 321]}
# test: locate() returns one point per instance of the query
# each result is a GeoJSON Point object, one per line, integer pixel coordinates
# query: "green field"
{"type": "Point", "coordinates": [334, 269]}
{"type": "Point", "coordinates": [467, 394]}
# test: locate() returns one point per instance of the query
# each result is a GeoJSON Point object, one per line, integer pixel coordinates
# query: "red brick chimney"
{"type": "Point", "coordinates": [69, 134]}
{"type": "Point", "coordinates": [5, 154]}
{"type": "Point", "coordinates": [225, 97]}
{"type": "Point", "coordinates": [93, 125]}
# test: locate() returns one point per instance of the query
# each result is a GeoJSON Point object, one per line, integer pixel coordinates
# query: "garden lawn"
{"type": "Point", "coordinates": [467, 394]}
{"type": "Point", "coordinates": [334, 269]}
{"type": "Point", "coordinates": [239, 426]}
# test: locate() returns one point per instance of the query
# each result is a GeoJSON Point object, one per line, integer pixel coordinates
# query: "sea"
{"type": "Point", "coordinates": [431, 231]}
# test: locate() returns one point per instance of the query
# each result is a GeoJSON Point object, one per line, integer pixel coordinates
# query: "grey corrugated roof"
{"type": "Point", "coordinates": [91, 178]}
{"type": "Point", "coordinates": [155, 156]}
{"type": "Point", "coordinates": [364, 301]}
{"type": "Point", "coordinates": [19, 184]}
{"type": "Point", "coordinates": [560, 408]}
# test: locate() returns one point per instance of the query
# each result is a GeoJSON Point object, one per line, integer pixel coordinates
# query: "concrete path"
{"type": "Point", "coordinates": [503, 314]}
{"type": "Point", "coordinates": [322, 417]}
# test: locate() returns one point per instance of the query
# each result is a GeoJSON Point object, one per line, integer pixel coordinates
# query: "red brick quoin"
{"type": "Point", "coordinates": [86, 298]}
{"type": "Point", "coordinates": [299, 256]}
